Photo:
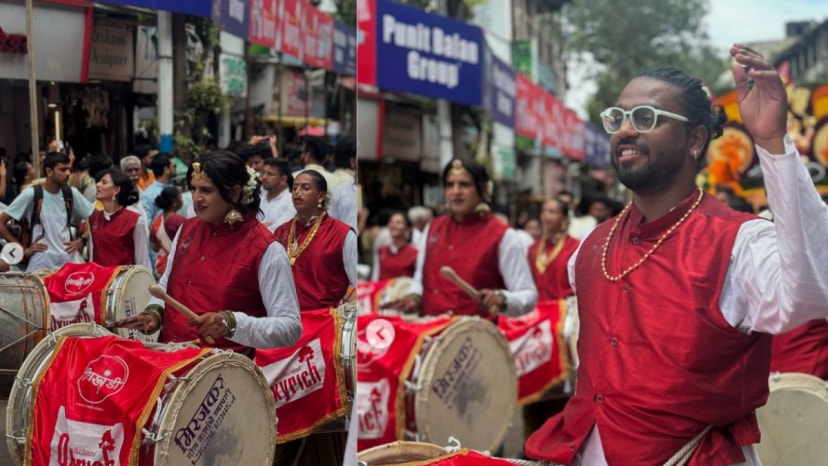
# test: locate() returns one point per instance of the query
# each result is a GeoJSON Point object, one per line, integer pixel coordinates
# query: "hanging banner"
{"type": "Point", "coordinates": [344, 49]}
{"type": "Point", "coordinates": [574, 136]}
{"type": "Point", "coordinates": [428, 55]}
{"type": "Point", "coordinates": [553, 123]}
{"type": "Point", "coordinates": [232, 15]}
{"type": "Point", "coordinates": [596, 146]}
{"type": "Point", "coordinates": [529, 107]}
{"type": "Point", "coordinates": [367, 42]}
{"type": "Point", "coordinates": [264, 22]}
{"type": "Point", "coordinates": [499, 90]}
{"type": "Point", "coordinates": [292, 23]}
{"type": "Point", "coordinates": [317, 35]}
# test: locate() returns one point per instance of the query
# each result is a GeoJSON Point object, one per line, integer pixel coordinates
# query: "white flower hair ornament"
{"type": "Point", "coordinates": [250, 188]}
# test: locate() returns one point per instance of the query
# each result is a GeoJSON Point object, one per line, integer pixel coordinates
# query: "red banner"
{"type": "Point", "coordinates": [76, 292]}
{"type": "Point", "coordinates": [93, 398]}
{"type": "Point", "coordinates": [386, 348]}
{"type": "Point", "coordinates": [576, 128]}
{"type": "Point", "coordinates": [541, 354]}
{"type": "Point", "coordinates": [466, 457]}
{"type": "Point", "coordinates": [529, 106]}
{"type": "Point", "coordinates": [292, 23]}
{"type": "Point", "coordinates": [552, 122]}
{"type": "Point", "coordinates": [317, 35]}
{"type": "Point", "coordinates": [307, 379]}
{"type": "Point", "coordinates": [368, 295]}
{"type": "Point", "coordinates": [367, 42]}
{"type": "Point", "coordinates": [264, 22]}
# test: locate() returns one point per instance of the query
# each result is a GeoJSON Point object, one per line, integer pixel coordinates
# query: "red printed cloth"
{"type": "Point", "coordinates": [540, 352]}
{"type": "Point", "coordinates": [93, 398]}
{"type": "Point", "coordinates": [368, 295]}
{"type": "Point", "coordinates": [386, 350]}
{"type": "Point", "coordinates": [307, 379]}
{"type": "Point", "coordinates": [464, 457]}
{"type": "Point", "coordinates": [77, 292]}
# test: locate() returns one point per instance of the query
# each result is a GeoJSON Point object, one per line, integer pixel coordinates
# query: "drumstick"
{"type": "Point", "coordinates": [449, 273]}
{"type": "Point", "coordinates": [160, 293]}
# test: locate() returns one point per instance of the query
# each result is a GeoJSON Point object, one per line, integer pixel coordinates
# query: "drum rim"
{"type": "Point", "coordinates": [376, 456]}
{"type": "Point", "coordinates": [347, 314]}
{"type": "Point", "coordinates": [170, 411]}
{"type": "Point", "coordinates": [798, 381]}
{"type": "Point", "coordinates": [113, 298]}
{"type": "Point", "coordinates": [20, 397]}
{"type": "Point", "coordinates": [429, 365]}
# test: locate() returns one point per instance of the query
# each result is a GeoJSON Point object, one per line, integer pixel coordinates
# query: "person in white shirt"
{"type": "Point", "coordinates": [276, 205]}
{"type": "Point", "coordinates": [344, 195]}
{"type": "Point", "coordinates": [344, 155]}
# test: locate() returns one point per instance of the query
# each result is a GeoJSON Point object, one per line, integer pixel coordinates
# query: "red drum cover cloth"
{"type": "Point", "coordinates": [308, 378]}
{"type": "Point", "coordinates": [368, 295]}
{"type": "Point", "coordinates": [94, 396]}
{"type": "Point", "coordinates": [386, 349]}
{"type": "Point", "coordinates": [541, 355]}
{"type": "Point", "coordinates": [465, 457]}
{"type": "Point", "coordinates": [77, 292]}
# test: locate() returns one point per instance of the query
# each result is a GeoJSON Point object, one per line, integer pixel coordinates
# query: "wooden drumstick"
{"type": "Point", "coordinates": [160, 293]}
{"type": "Point", "coordinates": [449, 273]}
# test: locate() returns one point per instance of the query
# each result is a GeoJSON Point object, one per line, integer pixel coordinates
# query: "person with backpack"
{"type": "Point", "coordinates": [45, 212]}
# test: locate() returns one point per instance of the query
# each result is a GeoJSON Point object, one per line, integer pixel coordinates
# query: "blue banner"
{"type": "Point", "coordinates": [597, 146]}
{"type": "Point", "coordinates": [187, 7]}
{"type": "Point", "coordinates": [428, 55]}
{"type": "Point", "coordinates": [344, 49]}
{"type": "Point", "coordinates": [499, 89]}
{"type": "Point", "coordinates": [233, 17]}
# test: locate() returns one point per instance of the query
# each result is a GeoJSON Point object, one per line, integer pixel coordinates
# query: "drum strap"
{"type": "Point", "coordinates": [683, 456]}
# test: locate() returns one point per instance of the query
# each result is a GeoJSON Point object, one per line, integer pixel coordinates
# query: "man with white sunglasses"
{"type": "Point", "coordinates": [678, 295]}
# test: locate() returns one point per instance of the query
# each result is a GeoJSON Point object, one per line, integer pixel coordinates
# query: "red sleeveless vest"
{"type": "Point", "coordinates": [803, 349]}
{"type": "Point", "coordinates": [319, 272]}
{"type": "Point", "coordinates": [659, 362]}
{"type": "Point", "coordinates": [554, 283]}
{"type": "Point", "coordinates": [471, 248]}
{"type": "Point", "coordinates": [215, 269]}
{"type": "Point", "coordinates": [401, 264]}
{"type": "Point", "coordinates": [112, 241]}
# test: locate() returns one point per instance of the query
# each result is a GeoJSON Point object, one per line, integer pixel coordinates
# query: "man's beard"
{"type": "Point", "coordinates": [650, 174]}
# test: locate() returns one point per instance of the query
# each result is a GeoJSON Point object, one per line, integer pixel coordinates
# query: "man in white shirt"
{"type": "Point", "coordinates": [276, 205]}
{"type": "Point", "coordinates": [52, 244]}
{"type": "Point", "coordinates": [344, 195]}
{"type": "Point", "coordinates": [344, 161]}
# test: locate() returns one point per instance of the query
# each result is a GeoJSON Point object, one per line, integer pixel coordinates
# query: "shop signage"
{"type": "Point", "coordinates": [111, 54]}
{"type": "Point", "coordinates": [344, 49]}
{"type": "Point", "coordinates": [233, 71]}
{"type": "Point", "coordinates": [317, 38]}
{"type": "Point", "coordinates": [187, 7]}
{"type": "Point", "coordinates": [232, 15]}
{"type": "Point", "coordinates": [500, 90]}
{"type": "Point", "coordinates": [427, 54]}
{"type": "Point", "coordinates": [13, 43]}
{"type": "Point", "coordinates": [264, 22]}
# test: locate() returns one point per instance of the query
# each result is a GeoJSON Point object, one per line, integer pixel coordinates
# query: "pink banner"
{"type": "Point", "coordinates": [264, 22]}
{"type": "Point", "coordinates": [367, 42]}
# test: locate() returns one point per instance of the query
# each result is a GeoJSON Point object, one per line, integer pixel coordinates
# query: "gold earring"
{"type": "Point", "coordinates": [233, 217]}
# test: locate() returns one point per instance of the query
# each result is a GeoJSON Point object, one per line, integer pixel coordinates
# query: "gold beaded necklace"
{"type": "Point", "coordinates": [651, 251]}
{"type": "Point", "coordinates": [293, 251]}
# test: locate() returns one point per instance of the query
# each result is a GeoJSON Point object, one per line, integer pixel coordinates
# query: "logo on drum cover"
{"type": "Point", "coordinates": [79, 282]}
{"type": "Point", "coordinates": [103, 378]}
{"type": "Point", "coordinates": [372, 408]}
{"type": "Point", "coordinates": [298, 375]}
{"type": "Point", "coordinates": [81, 443]}
{"type": "Point", "coordinates": [374, 341]}
{"type": "Point", "coordinates": [533, 349]}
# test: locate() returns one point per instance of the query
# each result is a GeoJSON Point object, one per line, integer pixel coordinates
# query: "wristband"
{"type": "Point", "coordinates": [229, 319]}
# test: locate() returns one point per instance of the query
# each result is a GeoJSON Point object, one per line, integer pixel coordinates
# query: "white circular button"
{"type": "Point", "coordinates": [12, 253]}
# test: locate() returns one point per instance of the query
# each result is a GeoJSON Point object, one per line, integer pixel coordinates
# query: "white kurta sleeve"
{"type": "Point", "coordinates": [416, 286]}
{"type": "Point", "coordinates": [778, 276]}
{"type": "Point", "coordinates": [140, 237]}
{"type": "Point", "coordinates": [521, 293]}
{"type": "Point", "coordinates": [350, 257]}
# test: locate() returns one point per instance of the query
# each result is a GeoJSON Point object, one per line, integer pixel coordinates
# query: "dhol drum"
{"type": "Point", "coordinates": [434, 379]}
{"type": "Point", "coordinates": [24, 320]}
{"type": "Point", "coordinates": [76, 290]}
{"type": "Point", "coordinates": [793, 420]}
{"type": "Point", "coordinates": [372, 296]}
{"type": "Point", "coordinates": [313, 381]}
{"type": "Point", "coordinates": [403, 453]}
{"type": "Point", "coordinates": [544, 345]}
{"type": "Point", "coordinates": [78, 400]}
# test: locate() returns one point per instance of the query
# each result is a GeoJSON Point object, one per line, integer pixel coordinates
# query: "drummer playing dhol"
{"type": "Point", "coordinates": [677, 294]}
{"type": "Point", "coordinates": [226, 267]}
{"type": "Point", "coordinates": [480, 248]}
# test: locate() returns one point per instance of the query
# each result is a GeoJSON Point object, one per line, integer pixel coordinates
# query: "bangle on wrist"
{"type": "Point", "coordinates": [230, 323]}
{"type": "Point", "coordinates": [502, 296]}
{"type": "Point", "coordinates": [155, 316]}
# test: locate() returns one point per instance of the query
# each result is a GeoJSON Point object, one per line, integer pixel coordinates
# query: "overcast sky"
{"type": "Point", "coordinates": [729, 21]}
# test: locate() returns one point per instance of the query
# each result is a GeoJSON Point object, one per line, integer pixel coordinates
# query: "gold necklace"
{"type": "Point", "coordinates": [543, 260]}
{"type": "Point", "coordinates": [293, 251]}
{"type": "Point", "coordinates": [651, 251]}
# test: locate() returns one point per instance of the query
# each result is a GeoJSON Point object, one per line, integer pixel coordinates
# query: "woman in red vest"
{"type": "Point", "coordinates": [322, 249]}
{"type": "Point", "coordinates": [119, 235]}
{"type": "Point", "coordinates": [481, 249]}
{"type": "Point", "coordinates": [549, 256]}
{"type": "Point", "coordinates": [226, 267]}
{"type": "Point", "coordinates": [398, 259]}
{"type": "Point", "coordinates": [678, 295]}
{"type": "Point", "coordinates": [323, 255]}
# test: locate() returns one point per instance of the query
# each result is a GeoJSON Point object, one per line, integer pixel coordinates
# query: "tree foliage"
{"type": "Point", "coordinates": [626, 38]}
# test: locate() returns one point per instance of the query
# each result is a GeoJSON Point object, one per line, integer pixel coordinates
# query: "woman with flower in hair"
{"type": "Point", "coordinates": [226, 267]}
{"type": "Point", "coordinates": [119, 235]}
{"type": "Point", "coordinates": [322, 249]}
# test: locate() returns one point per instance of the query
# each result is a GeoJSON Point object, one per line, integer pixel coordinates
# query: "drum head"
{"type": "Point", "coordinates": [223, 414]}
{"type": "Point", "coordinates": [468, 386]}
{"type": "Point", "coordinates": [398, 453]}
{"type": "Point", "coordinates": [127, 296]}
{"type": "Point", "coordinates": [793, 421]}
{"type": "Point", "coordinates": [18, 409]}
